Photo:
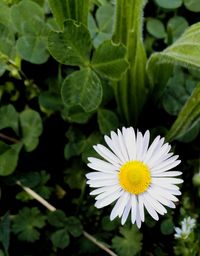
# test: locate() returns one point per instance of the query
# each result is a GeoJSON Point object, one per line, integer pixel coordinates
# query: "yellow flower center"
{"type": "Point", "coordinates": [134, 177]}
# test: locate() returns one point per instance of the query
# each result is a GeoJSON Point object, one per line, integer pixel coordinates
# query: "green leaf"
{"type": "Point", "coordinates": [5, 231]}
{"type": "Point", "coordinates": [74, 149]}
{"type": "Point", "coordinates": [33, 48]}
{"type": "Point", "coordinates": [192, 5]}
{"type": "Point", "coordinates": [191, 134]}
{"type": "Point", "coordinates": [131, 90]}
{"type": "Point", "coordinates": [74, 176]}
{"type": "Point", "coordinates": [42, 189]}
{"type": "Point", "coordinates": [82, 88]}
{"type": "Point", "coordinates": [184, 52]}
{"type": "Point", "coordinates": [178, 89]}
{"type": "Point", "coordinates": [109, 60]}
{"type": "Point", "coordinates": [167, 227]}
{"type": "Point", "coordinates": [7, 47]}
{"type": "Point", "coordinates": [27, 223]}
{"type": "Point", "coordinates": [108, 225]}
{"type": "Point", "coordinates": [93, 139]}
{"type": "Point", "coordinates": [27, 17]}
{"type": "Point", "coordinates": [31, 125]}
{"type": "Point", "coordinates": [169, 4]}
{"type": "Point", "coordinates": [107, 121]}
{"type": "Point", "coordinates": [67, 9]}
{"type": "Point", "coordinates": [129, 243]}
{"type": "Point", "coordinates": [74, 226]}
{"type": "Point", "coordinates": [176, 26]}
{"type": "Point", "coordinates": [57, 218]}
{"type": "Point", "coordinates": [75, 114]}
{"type": "Point", "coordinates": [8, 158]}
{"type": "Point", "coordinates": [4, 14]}
{"type": "Point", "coordinates": [60, 238]}
{"type": "Point", "coordinates": [105, 20]}
{"type": "Point", "coordinates": [72, 46]}
{"type": "Point", "coordinates": [9, 118]}
{"type": "Point", "coordinates": [188, 117]}
{"type": "Point", "coordinates": [50, 101]}
{"type": "Point", "coordinates": [156, 28]}
{"type": "Point", "coordinates": [7, 41]}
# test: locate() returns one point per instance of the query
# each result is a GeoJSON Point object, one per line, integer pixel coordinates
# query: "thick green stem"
{"type": "Point", "coordinates": [131, 90]}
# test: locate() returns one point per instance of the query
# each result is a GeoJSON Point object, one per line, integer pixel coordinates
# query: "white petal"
{"type": "Point", "coordinates": [107, 193]}
{"type": "Point", "coordinates": [133, 208]}
{"type": "Point", "coordinates": [167, 174]}
{"type": "Point", "coordinates": [139, 144]}
{"type": "Point", "coordinates": [166, 165]}
{"type": "Point", "coordinates": [145, 144]}
{"type": "Point", "coordinates": [158, 155]}
{"type": "Point", "coordinates": [166, 181]}
{"type": "Point", "coordinates": [153, 193]}
{"type": "Point", "coordinates": [100, 165]}
{"type": "Point", "coordinates": [157, 141]}
{"type": "Point", "coordinates": [150, 210]}
{"type": "Point", "coordinates": [165, 185]}
{"type": "Point", "coordinates": [103, 189]}
{"type": "Point", "coordinates": [122, 145]}
{"type": "Point", "coordinates": [100, 175]}
{"type": "Point", "coordinates": [129, 138]}
{"type": "Point", "coordinates": [138, 219]}
{"type": "Point", "coordinates": [102, 183]}
{"type": "Point", "coordinates": [114, 147]}
{"type": "Point", "coordinates": [119, 206]}
{"type": "Point", "coordinates": [126, 211]}
{"type": "Point", "coordinates": [108, 155]}
{"type": "Point", "coordinates": [165, 193]}
{"type": "Point", "coordinates": [141, 206]}
{"type": "Point", "coordinates": [155, 204]}
{"type": "Point", "coordinates": [108, 200]}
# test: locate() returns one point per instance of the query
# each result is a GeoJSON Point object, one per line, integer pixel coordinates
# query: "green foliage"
{"type": "Point", "coordinates": [27, 224]}
{"type": "Point", "coordinates": [192, 5]}
{"type": "Point", "coordinates": [107, 121]}
{"type": "Point", "coordinates": [36, 181]}
{"type": "Point", "coordinates": [108, 60]}
{"type": "Point", "coordinates": [60, 238]}
{"type": "Point", "coordinates": [169, 4]}
{"type": "Point", "coordinates": [67, 9]}
{"type": "Point", "coordinates": [67, 225]}
{"type": "Point", "coordinates": [103, 27]}
{"type": "Point", "coordinates": [176, 26]}
{"type": "Point", "coordinates": [167, 227]}
{"type": "Point", "coordinates": [8, 157]}
{"type": "Point", "coordinates": [129, 243]}
{"type": "Point", "coordinates": [31, 125]}
{"type": "Point", "coordinates": [180, 52]}
{"type": "Point", "coordinates": [156, 28]}
{"type": "Point", "coordinates": [82, 88]}
{"type": "Point", "coordinates": [9, 117]}
{"type": "Point", "coordinates": [178, 89]}
{"type": "Point", "coordinates": [72, 46]}
{"type": "Point", "coordinates": [132, 88]}
{"type": "Point", "coordinates": [5, 232]}
{"type": "Point", "coordinates": [188, 117]}
{"type": "Point", "coordinates": [28, 19]}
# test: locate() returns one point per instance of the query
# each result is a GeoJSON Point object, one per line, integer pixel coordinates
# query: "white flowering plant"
{"type": "Point", "coordinates": [99, 127]}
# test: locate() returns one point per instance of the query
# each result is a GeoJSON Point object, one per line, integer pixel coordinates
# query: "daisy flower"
{"type": "Point", "coordinates": [135, 174]}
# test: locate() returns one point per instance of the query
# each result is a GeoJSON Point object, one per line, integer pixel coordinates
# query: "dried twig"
{"type": "Point", "coordinates": [52, 209]}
